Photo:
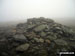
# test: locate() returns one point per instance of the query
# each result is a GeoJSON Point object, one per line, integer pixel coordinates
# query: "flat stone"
{"type": "Point", "coordinates": [23, 47]}
{"type": "Point", "coordinates": [31, 26]}
{"type": "Point", "coordinates": [60, 42]}
{"type": "Point", "coordinates": [40, 28]}
{"type": "Point", "coordinates": [58, 28]}
{"type": "Point", "coordinates": [20, 37]}
{"type": "Point", "coordinates": [51, 37]}
{"type": "Point", "coordinates": [36, 39]}
{"type": "Point", "coordinates": [39, 40]}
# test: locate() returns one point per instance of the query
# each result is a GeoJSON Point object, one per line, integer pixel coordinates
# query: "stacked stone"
{"type": "Point", "coordinates": [40, 37]}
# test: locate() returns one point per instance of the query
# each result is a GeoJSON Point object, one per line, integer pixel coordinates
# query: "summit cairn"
{"type": "Point", "coordinates": [40, 37]}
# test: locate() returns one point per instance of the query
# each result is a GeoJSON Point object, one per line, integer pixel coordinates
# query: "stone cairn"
{"type": "Point", "coordinates": [38, 37]}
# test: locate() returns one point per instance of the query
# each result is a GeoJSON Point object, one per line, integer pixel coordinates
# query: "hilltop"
{"type": "Point", "coordinates": [37, 37]}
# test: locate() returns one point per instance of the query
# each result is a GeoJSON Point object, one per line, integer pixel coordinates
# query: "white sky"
{"type": "Point", "coordinates": [23, 9]}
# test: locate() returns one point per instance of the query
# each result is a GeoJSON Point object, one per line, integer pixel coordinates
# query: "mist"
{"type": "Point", "coordinates": [62, 11]}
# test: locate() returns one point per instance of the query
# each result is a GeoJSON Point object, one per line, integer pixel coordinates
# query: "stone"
{"type": "Point", "coordinates": [60, 42]}
{"type": "Point", "coordinates": [43, 34]}
{"type": "Point", "coordinates": [51, 37]}
{"type": "Point", "coordinates": [36, 47]}
{"type": "Point", "coordinates": [23, 47]}
{"type": "Point", "coordinates": [41, 40]}
{"type": "Point", "coordinates": [36, 39]}
{"type": "Point", "coordinates": [48, 41]}
{"type": "Point", "coordinates": [40, 28]}
{"type": "Point", "coordinates": [31, 26]}
{"type": "Point", "coordinates": [58, 28]}
{"type": "Point", "coordinates": [31, 35]}
{"type": "Point", "coordinates": [49, 20]}
{"type": "Point", "coordinates": [20, 37]}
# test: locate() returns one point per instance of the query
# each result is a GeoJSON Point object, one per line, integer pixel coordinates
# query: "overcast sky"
{"type": "Point", "coordinates": [22, 9]}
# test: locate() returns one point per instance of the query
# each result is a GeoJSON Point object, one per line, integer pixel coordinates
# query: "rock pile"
{"type": "Point", "coordinates": [38, 37]}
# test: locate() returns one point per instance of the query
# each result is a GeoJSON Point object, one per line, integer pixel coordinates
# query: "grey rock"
{"type": "Point", "coordinates": [36, 39]}
{"type": "Point", "coordinates": [23, 47]}
{"type": "Point", "coordinates": [58, 28]}
{"type": "Point", "coordinates": [60, 42]}
{"type": "Point", "coordinates": [40, 28]}
{"type": "Point", "coordinates": [20, 37]}
{"type": "Point", "coordinates": [43, 34]}
{"type": "Point", "coordinates": [31, 26]}
{"type": "Point", "coordinates": [39, 40]}
{"type": "Point", "coordinates": [52, 37]}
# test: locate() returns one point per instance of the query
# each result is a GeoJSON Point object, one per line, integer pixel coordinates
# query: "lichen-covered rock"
{"type": "Point", "coordinates": [40, 28]}
{"type": "Point", "coordinates": [36, 39]}
{"type": "Point", "coordinates": [60, 42]}
{"type": "Point", "coordinates": [31, 26]}
{"type": "Point", "coordinates": [23, 47]}
{"type": "Point", "coordinates": [43, 34]}
{"type": "Point", "coordinates": [51, 37]}
{"type": "Point", "coordinates": [20, 37]}
{"type": "Point", "coordinates": [41, 40]}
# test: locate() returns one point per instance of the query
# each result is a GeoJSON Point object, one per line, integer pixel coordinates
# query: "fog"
{"type": "Point", "coordinates": [59, 10]}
